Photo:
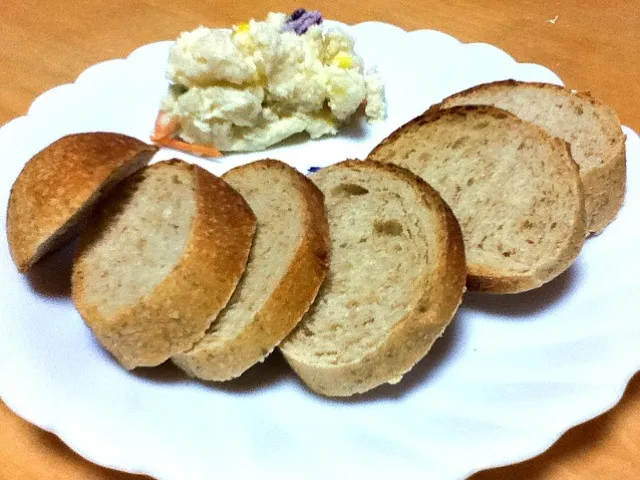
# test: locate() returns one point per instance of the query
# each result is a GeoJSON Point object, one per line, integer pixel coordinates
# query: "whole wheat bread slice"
{"type": "Point", "coordinates": [287, 264]}
{"type": "Point", "coordinates": [160, 260]}
{"type": "Point", "coordinates": [590, 127]}
{"type": "Point", "coordinates": [57, 188]}
{"type": "Point", "coordinates": [396, 277]}
{"type": "Point", "coordinates": [514, 189]}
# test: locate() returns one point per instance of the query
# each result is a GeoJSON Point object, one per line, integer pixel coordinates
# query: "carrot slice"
{"type": "Point", "coordinates": [203, 150]}
{"type": "Point", "coordinates": [165, 126]}
{"type": "Point", "coordinates": [164, 130]}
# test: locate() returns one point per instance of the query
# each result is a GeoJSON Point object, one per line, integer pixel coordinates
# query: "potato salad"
{"type": "Point", "coordinates": [252, 86]}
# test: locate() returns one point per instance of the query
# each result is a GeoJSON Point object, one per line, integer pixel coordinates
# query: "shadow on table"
{"type": "Point", "coordinates": [523, 305]}
{"type": "Point", "coordinates": [261, 375]}
{"type": "Point", "coordinates": [165, 373]}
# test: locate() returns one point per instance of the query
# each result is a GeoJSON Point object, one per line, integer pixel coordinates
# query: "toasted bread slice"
{"type": "Point", "coordinates": [56, 189]}
{"type": "Point", "coordinates": [161, 259]}
{"type": "Point", "coordinates": [396, 277]}
{"type": "Point", "coordinates": [286, 266]}
{"type": "Point", "coordinates": [590, 127]}
{"type": "Point", "coordinates": [514, 189]}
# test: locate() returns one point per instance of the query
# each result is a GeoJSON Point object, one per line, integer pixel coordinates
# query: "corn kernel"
{"type": "Point", "coordinates": [343, 60]}
{"type": "Point", "coordinates": [241, 28]}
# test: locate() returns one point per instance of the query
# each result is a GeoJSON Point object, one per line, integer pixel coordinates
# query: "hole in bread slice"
{"type": "Point", "coordinates": [388, 227]}
{"type": "Point", "coordinates": [349, 189]}
{"type": "Point", "coordinates": [392, 287]}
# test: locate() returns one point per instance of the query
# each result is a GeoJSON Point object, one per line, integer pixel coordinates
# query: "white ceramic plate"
{"type": "Point", "coordinates": [510, 375]}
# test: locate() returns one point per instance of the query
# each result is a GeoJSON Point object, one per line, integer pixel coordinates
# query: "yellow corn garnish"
{"type": "Point", "coordinates": [241, 28]}
{"type": "Point", "coordinates": [343, 60]}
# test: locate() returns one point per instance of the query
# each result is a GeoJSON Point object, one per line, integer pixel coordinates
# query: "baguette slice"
{"type": "Point", "coordinates": [592, 129]}
{"type": "Point", "coordinates": [287, 264]}
{"type": "Point", "coordinates": [161, 259]}
{"type": "Point", "coordinates": [57, 188]}
{"type": "Point", "coordinates": [396, 277]}
{"type": "Point", "coordinates": [514, 189]}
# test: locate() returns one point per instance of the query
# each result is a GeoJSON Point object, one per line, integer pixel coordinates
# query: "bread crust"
{"type": "Point", "coordinates": [181, 307]}
{"type": "Point", "coordinates": [605, 190]}
{"type": "Point", "coordinates": [57, 188]}
{"type": "Point", "coordinates": [605, 185]}
{"type": "Point", "coordinates": [411, 338]}
{"type": "Point", "coordinates": [288, 302]}
{"type": "Point", "coordinates": [485, 278]}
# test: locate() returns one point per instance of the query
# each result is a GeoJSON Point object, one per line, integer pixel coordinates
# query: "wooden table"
{"type": "Point", "coordinates": [590, 45]}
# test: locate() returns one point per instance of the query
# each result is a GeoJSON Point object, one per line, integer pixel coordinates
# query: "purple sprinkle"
{"type": "Point", "coordinates": [301, 20]}
{"type": "Point", "coordinates": [297, 13]}
{"type": "Point", "coordinates": [313, 169]}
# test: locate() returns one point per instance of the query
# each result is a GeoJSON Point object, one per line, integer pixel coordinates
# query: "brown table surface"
{"type": "Point", "coordinates": [592, 45]}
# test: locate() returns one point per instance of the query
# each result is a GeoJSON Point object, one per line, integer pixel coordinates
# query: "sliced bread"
{"type": "Point", "coordinates": [286, 266]}
{"type": "Point", "coordinates": [514, 189]}
{"type": "Point", "coordinates": [162, 258]}
{"type": "Point", "coordinates": [56, 189]}
{"type": "Point", "coordinates": [396, 277]}
{"type": "Point", "coordinates": [590, 127]}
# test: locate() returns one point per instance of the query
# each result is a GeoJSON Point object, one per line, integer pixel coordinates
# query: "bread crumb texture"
{"type": "Point", "coordinates": [144, 234]}
{"type": "Point", "coordinates": [515, 191]}
{"type": "Point", "coordinates": [396, 277]}
{"type": "Point", "coordinates": [591, 128]}
{"type": "Point", "coordinates": [378, 252]}
{"type": "Point", "coordinates": [160, 260]}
